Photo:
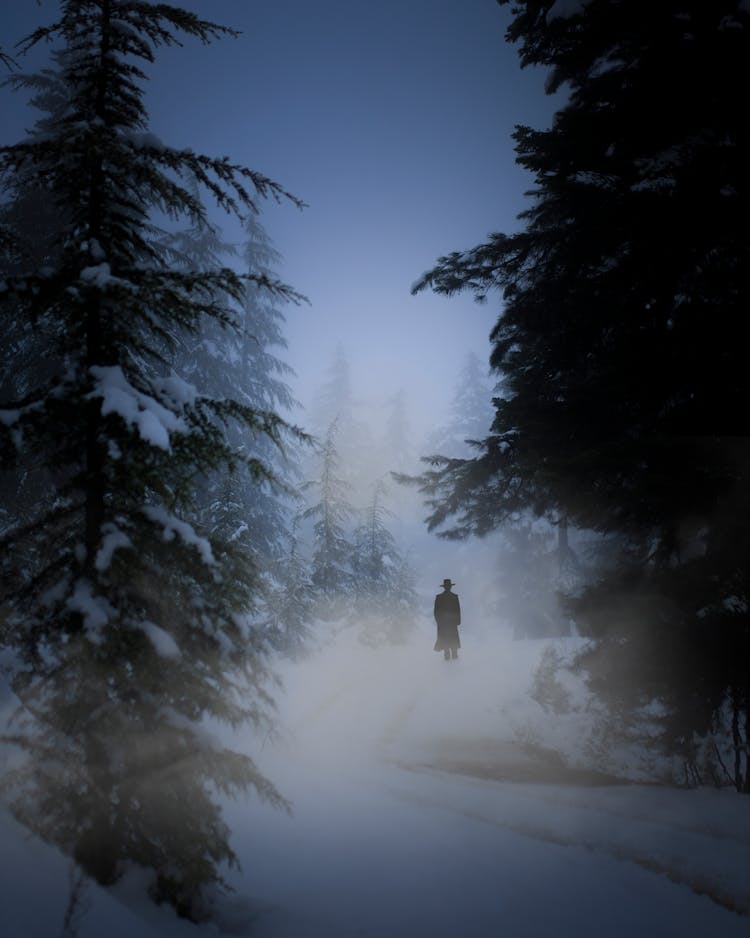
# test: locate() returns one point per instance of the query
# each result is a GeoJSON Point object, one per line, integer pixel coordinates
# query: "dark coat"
{"type": "Point", "coordinates": [448, 618]}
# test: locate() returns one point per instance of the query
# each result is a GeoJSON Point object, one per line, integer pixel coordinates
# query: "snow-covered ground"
{"type": "Point", "coordinates": [416, 812]}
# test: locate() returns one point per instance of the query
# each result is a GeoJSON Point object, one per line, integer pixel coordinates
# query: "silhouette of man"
{"type": "Point", "coordinates": [448, 618]}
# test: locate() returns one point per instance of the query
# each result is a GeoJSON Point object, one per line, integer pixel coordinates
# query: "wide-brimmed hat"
{"type": "Point", "coordinates": [447, 584]}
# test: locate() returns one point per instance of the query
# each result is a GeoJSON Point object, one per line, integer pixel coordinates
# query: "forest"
{"type": "Point", "coordinates": [173, 533]}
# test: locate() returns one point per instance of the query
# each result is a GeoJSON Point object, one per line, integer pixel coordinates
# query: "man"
{"type": "Point", "coordinates": [448, 618]}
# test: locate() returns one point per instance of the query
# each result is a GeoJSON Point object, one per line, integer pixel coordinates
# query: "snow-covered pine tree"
{"type": "Point", "coordinates": [383, 581]}
{"type": "Point", "coordinates": [289, 601]}
{"type": "Point", "coordinates": [241, 501]}
{"type": "Point", "coordinates": [470, 412]}
{"type": "Point", "coordinates": [330, 513]}
{"type": "Point", "coordinates": [335, 400]}
{"type": "Point", "coordinates": [375, 548]}
{"type": "Point", "coordinates": [263, 376]}
{"type": "Point", "coordinates": [128, 622]}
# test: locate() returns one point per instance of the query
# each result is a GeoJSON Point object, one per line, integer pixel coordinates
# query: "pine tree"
{"type": "Point", "coordinates": [335, 401]}
{"type": "Point", "coordinates": [331, 511]}
{"type": "Point", "coordinates": [383, 581]}
{"type": "Point", "coordinates": [242, 364]}
{"type": "Point", "coordinates": [268, 509]}
{"type": "Point", "coordinates": [620, 342]}
{"type": "Point", "coordinates": [469, 415]}
{"type": "Point", "coordinates": [290, 598]}
{"type": "Point", "coordinates": [127, 620]}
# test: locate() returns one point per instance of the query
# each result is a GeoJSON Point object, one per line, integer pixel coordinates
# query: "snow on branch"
{"type": "Point", "coordinates": [95, 610]}
{"type": "Point", "coordinates": [173, 526]}
{"type": "Point", "coordinates": [113, 538]}
{"type": "Point", "coordinates": [152, 420]}
{"type": "Point", "coordinates": [565, 9]}
{"type": "Point", "coordinates": [164, 645]}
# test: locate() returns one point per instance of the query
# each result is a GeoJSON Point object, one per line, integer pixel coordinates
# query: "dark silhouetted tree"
{"type": "Point", "coordinates": [620, 344]}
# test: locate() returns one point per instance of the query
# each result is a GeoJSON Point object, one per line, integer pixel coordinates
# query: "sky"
{"type": "Point", "coordinates": [393, 122]}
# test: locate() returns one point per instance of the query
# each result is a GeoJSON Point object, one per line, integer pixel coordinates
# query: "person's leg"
{"type": "Point", "coordinates": [446, 654]}
{"type": "Point", "coordinates": [454, 652]}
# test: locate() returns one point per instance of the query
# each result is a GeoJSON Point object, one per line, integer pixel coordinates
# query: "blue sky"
{"type": "Point", "coordinates": [392, 120]}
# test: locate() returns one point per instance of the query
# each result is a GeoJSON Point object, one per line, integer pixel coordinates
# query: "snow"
{"type": "Point", "coordinates": [604, 65]}
{"type": "Point", "coordinates": [96, 611]}
{"type": "Point", "coordinates": [564, 9]}
{"type": "Point", "coordinates": [179, 391]}
{"type": "Point", "coordinates": [113, 538]}
{"type": "Point", "coordinates": [588, 178]}
{"type": "Point", "coordinates": [175, 526]}
{"type": "Point", "coordinates": [99, 274]}
{"type": "Point", "coordinates": [729, 22]}
{"type": "Point", "coordinates": [162, 641]}
{"type": "Point", "coordinates": [140, 140]}
{"type": "Point", "coordinates": [95, 249]}
{"type": "Point", "coordinates": [416, 813]}
{"type": "Point", "coordinates": [660, 183]}
{"type": "Point", "coordinates": [9, 417]}
{"type": "Point", "coordinates": [153, 421]}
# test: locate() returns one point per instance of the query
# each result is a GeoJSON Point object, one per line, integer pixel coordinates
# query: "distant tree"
{"type": "Point", "coordinates": [398, 439]}
{"type": "Point", "coordinates": [528, 579]}
{"type": "Point", "coordinates": [395, 454]}
{"type": "Point", "coordinates": [290, 598]}
{"type": "Point", "coordinates": [383, 583]}
{"type": "Point", "coordinates": [470, 412]}
{"type": "Point", "coordinates": [335, 401]}
{"type": "Point", "coordinates": [240, 501]}
{"type": "Point", "coordinates": [330, 513]}
{"type": "Point", "coordinates": [126, 618]}
{"type": "Point", "coordinates": [620, 344]}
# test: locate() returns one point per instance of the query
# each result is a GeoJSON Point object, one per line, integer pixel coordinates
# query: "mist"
{"type": "Point", "coordinates": [249, 430]}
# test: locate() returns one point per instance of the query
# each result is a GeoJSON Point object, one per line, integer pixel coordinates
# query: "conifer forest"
{"type": "Point", "coordinates": [235, 468]}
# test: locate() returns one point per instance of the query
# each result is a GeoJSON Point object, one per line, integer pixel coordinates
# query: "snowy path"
{"type": "Point", "coordinates": [379, 845]}
{"type": "Point", "coordinates": [390, 838]}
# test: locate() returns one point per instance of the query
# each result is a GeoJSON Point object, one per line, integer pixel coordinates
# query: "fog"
{"type": "Point", "coordinates": [428, 797]}
{"type": "Point", "coordinates": [407, 816]}
{"type": "Point", "coordinates": [419, 808]}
